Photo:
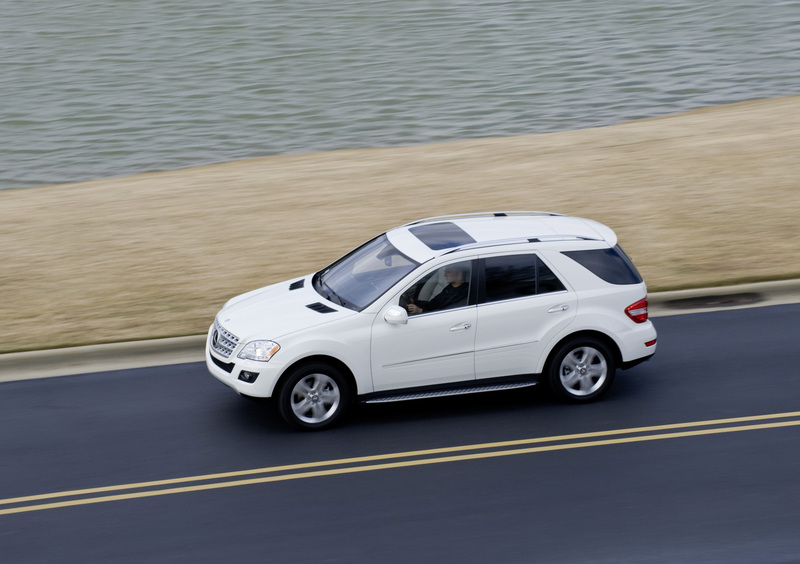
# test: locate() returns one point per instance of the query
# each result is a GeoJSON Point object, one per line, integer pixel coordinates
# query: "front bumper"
{"type": "Point", "coordinates": [247, 377]}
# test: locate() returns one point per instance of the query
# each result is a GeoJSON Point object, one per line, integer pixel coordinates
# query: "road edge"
{"type": "Point", "coordinates": [179, 350]}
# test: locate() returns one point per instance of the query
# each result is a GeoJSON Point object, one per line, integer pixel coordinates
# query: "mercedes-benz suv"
{"type": "Point", "coordinates": [446, 305]}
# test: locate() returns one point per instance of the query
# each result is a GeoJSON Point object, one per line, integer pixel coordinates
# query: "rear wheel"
{"type": "Point", "coordinates": [581, 370]}
{"type": "Point", "coordinates": [313, 397]}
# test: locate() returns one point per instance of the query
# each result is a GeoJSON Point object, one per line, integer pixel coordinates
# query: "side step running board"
{"type": "Point", "coordinates": [450, 392]}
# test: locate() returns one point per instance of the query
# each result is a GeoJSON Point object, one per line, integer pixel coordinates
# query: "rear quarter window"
{"type": "Point", "coordinates": [611, 265]}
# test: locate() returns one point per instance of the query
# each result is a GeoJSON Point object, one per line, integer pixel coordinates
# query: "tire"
{"type": "Point", "coordinates": [581, 370]}
{"type": "Point", "coordinates": [313, 397]}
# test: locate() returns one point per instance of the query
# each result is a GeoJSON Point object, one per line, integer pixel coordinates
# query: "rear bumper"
{"type": "Point", "coordinates": [637, 345]}
{"type": "Point", "coordinates": [638, 361]}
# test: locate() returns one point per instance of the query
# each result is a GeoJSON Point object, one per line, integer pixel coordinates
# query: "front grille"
{"type": "Point", "coordinates": [222, 341]}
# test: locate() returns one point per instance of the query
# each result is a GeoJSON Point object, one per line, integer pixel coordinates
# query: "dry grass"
{"type": "Point", "coordinates": [704, 197]}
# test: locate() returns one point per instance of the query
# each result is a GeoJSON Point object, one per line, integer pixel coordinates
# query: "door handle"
{"type": "Point", "coordinates": [558, 308]}
{"type": "Point", "coordinates": [460, 327]}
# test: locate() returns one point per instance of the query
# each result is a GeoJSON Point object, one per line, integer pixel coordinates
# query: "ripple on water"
{"type": "Point", "coordinates": [96, 89]}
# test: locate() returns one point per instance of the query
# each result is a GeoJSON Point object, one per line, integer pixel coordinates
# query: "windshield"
{"type": "Point", "coordinates": [362, 276]}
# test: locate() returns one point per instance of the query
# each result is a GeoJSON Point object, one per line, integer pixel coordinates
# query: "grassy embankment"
{"type": "Point", "coordinates": [706, 197]}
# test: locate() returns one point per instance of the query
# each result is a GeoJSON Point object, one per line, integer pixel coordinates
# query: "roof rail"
{"type": "Point", "coordinates": [520, 240]}
{"type": "Point", "coordinates": [482, 214]}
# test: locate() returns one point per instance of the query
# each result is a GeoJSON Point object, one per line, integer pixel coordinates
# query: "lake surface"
{"type": "Point", "coordinates": [92, 89]}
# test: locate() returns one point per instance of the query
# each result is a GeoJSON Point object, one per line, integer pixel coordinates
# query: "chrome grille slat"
{"type": "Point", "coordinates": [223, 341]}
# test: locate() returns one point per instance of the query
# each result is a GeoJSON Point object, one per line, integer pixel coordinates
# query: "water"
{"type": "Point", "coordinates": [98, 88]}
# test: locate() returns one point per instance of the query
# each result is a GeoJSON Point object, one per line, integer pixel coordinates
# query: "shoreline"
{"type": "Point", "coordinates": [701, 198]}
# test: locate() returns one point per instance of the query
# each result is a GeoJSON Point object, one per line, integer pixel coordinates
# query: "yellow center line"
{"type": "Point", "coordinates": [398, 463]}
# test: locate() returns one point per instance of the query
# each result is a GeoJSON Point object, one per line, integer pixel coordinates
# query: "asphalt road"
{"type": "Point", "coordinates": [692, 457]}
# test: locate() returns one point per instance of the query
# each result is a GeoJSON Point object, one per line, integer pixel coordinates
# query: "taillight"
{"type": "Point", "coordinates": [638, 311]}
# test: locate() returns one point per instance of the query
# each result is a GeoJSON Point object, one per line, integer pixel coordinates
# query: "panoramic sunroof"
{"type": "Point", "coordinates": [438, 236]}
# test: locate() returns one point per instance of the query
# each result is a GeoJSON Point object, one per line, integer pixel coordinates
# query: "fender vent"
{"type": "Point", "coordinates": [297, 285]}
{"type": "Point", "coordinates": [320, 308]}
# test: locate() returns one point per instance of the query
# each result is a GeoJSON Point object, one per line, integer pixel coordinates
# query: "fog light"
{"type": "Point", "coordinates": [248, 377]}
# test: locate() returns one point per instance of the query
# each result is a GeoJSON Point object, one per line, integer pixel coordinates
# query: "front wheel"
{"type": "Point", "coordinates": [581, 370]}
{"type": "Point", "coordinates": [313, 397]}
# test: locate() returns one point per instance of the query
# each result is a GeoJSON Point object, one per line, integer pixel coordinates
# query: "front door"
{"type": "Point", "coordinates": [436, 346]}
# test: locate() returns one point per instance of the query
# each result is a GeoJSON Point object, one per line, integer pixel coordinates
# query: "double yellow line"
{"type": "Point", "coordinates": [395, 460]}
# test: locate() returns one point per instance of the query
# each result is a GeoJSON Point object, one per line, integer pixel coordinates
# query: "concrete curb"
{"type": "Point", "coordinates": [100, 358]}
{"type": "Point", "coordinates": [178, 350]}
{"type": "Point", "coordinates": [742, 296]}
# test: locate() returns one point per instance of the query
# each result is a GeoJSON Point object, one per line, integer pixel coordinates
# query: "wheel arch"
{"type": "Point", "coordinates": [323, 359]}
{"type": "Point", "coordinates": [588, 333]}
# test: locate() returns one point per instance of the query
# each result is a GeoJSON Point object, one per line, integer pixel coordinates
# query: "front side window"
{"type": "Point", "coordinates": [446, 287]}
{"type": "Point", "coordinates": [518, 276]}
{"type": "Point", "coordinates": [362, 276]}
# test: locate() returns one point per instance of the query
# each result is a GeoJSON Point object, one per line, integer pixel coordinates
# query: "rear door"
{"type": "Point", "coordinates": [522, 305]}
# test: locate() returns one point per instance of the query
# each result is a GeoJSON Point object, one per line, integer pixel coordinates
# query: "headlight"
{"type": "Point", "coordinates": [259, 350]}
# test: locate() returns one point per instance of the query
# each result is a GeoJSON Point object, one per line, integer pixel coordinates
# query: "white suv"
{"type": "Point", "coordinates": [446, 305]}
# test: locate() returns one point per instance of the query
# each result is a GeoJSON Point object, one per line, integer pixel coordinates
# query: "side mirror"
{"type": "Point", "coordinates": [396, 315]}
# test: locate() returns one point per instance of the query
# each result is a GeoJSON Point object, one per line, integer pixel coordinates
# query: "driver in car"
{"type": "Point", "coordinates": [453, 295]}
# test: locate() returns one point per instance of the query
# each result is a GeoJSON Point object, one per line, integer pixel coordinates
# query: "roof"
{"type": "Point", "coordinates": [427, 238]}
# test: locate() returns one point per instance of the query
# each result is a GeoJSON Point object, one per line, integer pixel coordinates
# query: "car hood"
{"type": "Point", "coordinates": [277, 310]}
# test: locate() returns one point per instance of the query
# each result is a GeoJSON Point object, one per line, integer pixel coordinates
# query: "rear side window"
{"type": "Point", "coordinates": [517, 276]}
{"type": "Point", "coordinates": [611, 265]}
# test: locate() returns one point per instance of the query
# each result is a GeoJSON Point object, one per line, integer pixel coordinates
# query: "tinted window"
{"type": "Point", "coordinates": [546, 281]}
{"type": "Point", "coordinates": [611, 265]}
{"type": "Point", "coordinates": [517, 276]}
{"type": "Point", "coordinates": [438, 236]}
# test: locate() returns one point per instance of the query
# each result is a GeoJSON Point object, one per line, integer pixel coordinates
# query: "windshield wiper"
{"type": "Point", "coordinates": [330, 294]}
